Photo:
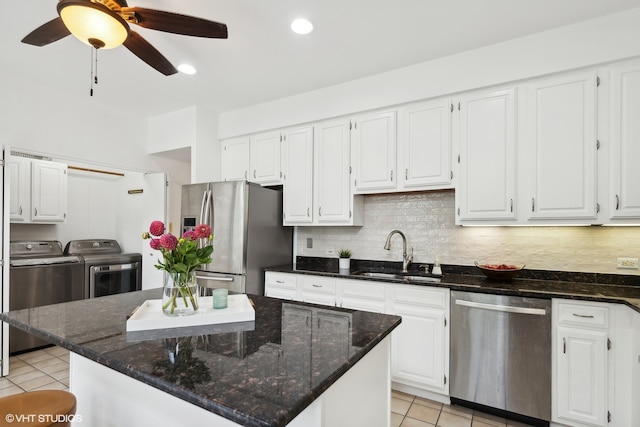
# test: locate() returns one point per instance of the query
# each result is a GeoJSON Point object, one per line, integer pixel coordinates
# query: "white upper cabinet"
{"type": "Point", "coordinates": [234, 159]}
{"type": "Point", "coordinates": [265, 158]}
{"type": "Point", "coordinates": [38, 190]}
{"type": "Point", "coordinates": [561, 147]}
{"type": "Point", "coordinates": [48, 191]}
{"type": "Point", "coordinates": [19, 176]}
{"type": "Point", "coordinates": [374, 145]}
{"type": "Point", "coordinates": [624, 188]}
{"type": "Point", "coordinates": [298, 176]}
{"type": "Point", "coordinates": [487, 159]}
{"type": "Point", "coordinates": [424, 145]}
{"type": "Point", "coordinates": [333, 197]}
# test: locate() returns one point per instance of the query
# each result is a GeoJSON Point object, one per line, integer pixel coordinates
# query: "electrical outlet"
{"type": "Point", "coordinates": [627, 263]}
{"type": "Point", "coordinates": [330, 251]}
{"type": "Point", "coordinates": [309, 243]}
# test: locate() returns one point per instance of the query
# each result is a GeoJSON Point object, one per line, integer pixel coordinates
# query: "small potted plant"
{"type": "Point", "coordinates": [345, 258]}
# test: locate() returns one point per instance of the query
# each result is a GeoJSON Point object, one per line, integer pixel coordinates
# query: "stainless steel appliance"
{"type": "Point", "coordinates": [107, 270]}
{"type": "Point", "coordinates": [501, 353]}
{"type": "Point", "coordinates": [246, 220]}
{"type": "Point", "coordinates": [39, 275]}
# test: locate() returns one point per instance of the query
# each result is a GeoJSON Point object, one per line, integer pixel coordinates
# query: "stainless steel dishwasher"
{"type": "Point", "coordinates": [501, 353]}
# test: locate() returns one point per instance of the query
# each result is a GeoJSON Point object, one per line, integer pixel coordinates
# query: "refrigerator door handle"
{"type": "Point", "coordinates": [210, 216]}
{"type": "Point", "coordinates": [202, 212]}
{"type": "Point", "coordinates": [206, 201]}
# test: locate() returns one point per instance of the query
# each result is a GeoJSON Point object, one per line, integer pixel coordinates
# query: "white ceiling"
{"type": "Point", "coordinates": [263, 60]}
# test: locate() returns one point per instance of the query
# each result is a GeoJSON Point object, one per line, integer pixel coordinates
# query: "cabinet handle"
{"type": "Point", "coordinates": [511, 204]}
{"type": "Point", "coordinates": [564, 345]}
{"type": "Point", "coordinates": [406, 174]}
{"type": "Point", "coordinates": [245, 175]}
{"type": "Point", "coordinates": [391, 176]}
{"type": "Point", "coordinates": [584, 316]}
{"type": "Point", "coordinates": [316, 286]}
{"type": "Point", "coordinates": [279, 281]}
{"type": "Point", "coordinates": [533, 204]}
{"type": "Point", "coordinates": [254, 174]}
{"type": "Point", "coordinates": [307, 212]}
{"type": "Point", "coordinates": [617, 202]}
{"type": "Point", "coordinates": [35, 211]}
{"type": "Point", "coordinates": [20, 210]}
{"type": "Point", "coordinates": [320, 211]}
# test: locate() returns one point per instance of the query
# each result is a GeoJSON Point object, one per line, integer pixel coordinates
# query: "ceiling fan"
{"type": "Point", "coordinates": [104, 24]}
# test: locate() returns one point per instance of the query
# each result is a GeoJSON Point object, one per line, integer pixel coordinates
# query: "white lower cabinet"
{"type": "Point", "coordinates": [581, 375]}
{"type": "Point", "coordinates": [419, 346]}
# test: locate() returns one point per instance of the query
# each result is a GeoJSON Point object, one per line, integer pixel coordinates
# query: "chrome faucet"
{"type": "Point", "coordinates": [406, 258]}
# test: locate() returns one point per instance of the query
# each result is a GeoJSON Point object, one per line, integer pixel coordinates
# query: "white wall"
{"type": "Point", "coordinates": [592, 42]}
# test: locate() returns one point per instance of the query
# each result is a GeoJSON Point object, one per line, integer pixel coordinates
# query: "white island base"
{"type": "Point", "coordinates": [107, 398]}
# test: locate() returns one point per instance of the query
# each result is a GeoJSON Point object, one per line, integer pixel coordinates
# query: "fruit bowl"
{"type": "Point", "coordinates": [500, 271]}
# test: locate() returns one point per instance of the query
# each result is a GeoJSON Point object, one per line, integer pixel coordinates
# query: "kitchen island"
{"type": "Point", "coordinates": [297, 364]}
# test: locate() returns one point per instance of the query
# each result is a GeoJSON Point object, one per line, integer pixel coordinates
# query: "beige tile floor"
{"type": "Point", "coordinates": [412, 411]}
{"type": "Point", "coordinates": [48, 369]}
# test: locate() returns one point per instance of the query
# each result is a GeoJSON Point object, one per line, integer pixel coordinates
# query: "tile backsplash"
{"type": "Point", "coordinates": [427, 219]}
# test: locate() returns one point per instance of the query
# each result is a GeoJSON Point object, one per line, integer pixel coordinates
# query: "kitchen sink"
{"type": "Point", "coordinates": [398, 276]}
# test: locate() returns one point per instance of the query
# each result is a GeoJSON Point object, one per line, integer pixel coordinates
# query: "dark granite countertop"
{"type": "Point", "coordinates": [238, 375]}
{"type": "Point", "coordinates": [622, 289]}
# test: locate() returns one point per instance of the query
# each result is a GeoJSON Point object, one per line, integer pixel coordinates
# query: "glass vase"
{"type": "Point", "coordinates": [180, 294]}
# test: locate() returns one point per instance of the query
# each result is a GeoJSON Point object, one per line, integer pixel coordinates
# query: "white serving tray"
{"type": "Point", "coordinates": [150, 316]}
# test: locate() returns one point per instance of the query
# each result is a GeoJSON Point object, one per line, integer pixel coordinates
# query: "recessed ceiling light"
{"type": "Point", "coordinates": [187, 69]}
{"type": "Point", "coordinates": [301, 26]}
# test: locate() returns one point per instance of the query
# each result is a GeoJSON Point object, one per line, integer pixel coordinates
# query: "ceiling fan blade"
{"type": "Point", "coordinates": [149, 54]}
{"type": "Point", "coordinates": [50, 32]}
{"type": "Point", "coordinates": [122, 3]}
{"type": "Point", "coordinates": [178, 24]}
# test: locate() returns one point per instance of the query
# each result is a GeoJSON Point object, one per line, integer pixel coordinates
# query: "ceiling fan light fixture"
{"type": "Point", "coordinates": [93, 24]}
{"type": "Point", "coordinates": [301, 26]}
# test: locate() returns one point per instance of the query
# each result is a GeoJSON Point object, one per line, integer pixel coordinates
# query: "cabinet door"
{"type": "Point", "coordinates": [624, 198]}
{"type": "Point", "coordinates": [298, 176]}
{"type": "Point", "coordinates": [487, 156]}
{"type": "Point", "coordinates": [420, 345]}
{"type": "Point", "coordinates": [265, 158]}
{"type": "Point", "coordinates": [424, 141]}
{"type": "Point", "coordinates": [561, 126]}
{"type": "Point", "coordinates": [374, 145]}
{"type": "Point", "coordinates": [19, 174]}
{"type": "Point", "coordinates": [581, 376]}
{"type": "Point", "coordinates": [332, 333]}
{"type": "Point", "coordinates": [235, 159]}
{"type": "Point", "coordinates": [48, 191]}
{"type": "Point", "coordinates": [417, 353]}
{"type": "Point", "coordinates": [296, 348]}
{"type": "Point", "coordinates": [333, 198]}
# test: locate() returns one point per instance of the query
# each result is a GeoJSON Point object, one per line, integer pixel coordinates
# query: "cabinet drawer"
{"type": "Point", "coordinates": [420, 295]}
{"type": "Point", "coordinates": [583, 314]}
{"type": "Point", "coordinates": [285, 281]}
{"type": "Point", "coordinates": [318, 285]}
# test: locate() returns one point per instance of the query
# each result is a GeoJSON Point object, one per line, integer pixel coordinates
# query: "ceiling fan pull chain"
{"type": "Point", "coordinates": [91, 81]}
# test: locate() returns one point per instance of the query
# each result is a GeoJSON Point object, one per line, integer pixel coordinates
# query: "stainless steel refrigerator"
{"type": "Point", "coordinates": [248, 235]}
